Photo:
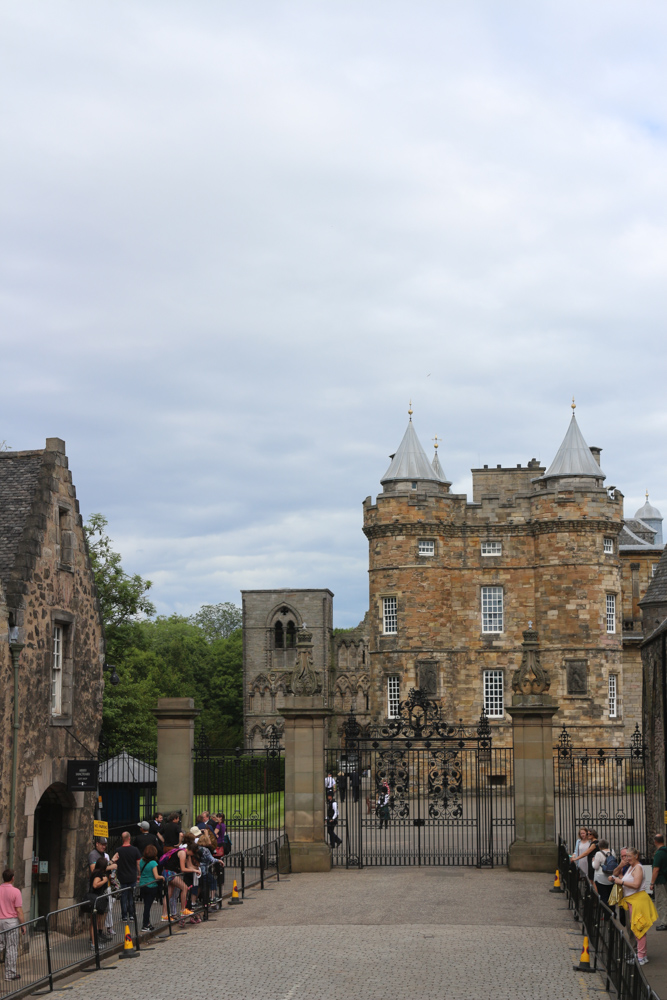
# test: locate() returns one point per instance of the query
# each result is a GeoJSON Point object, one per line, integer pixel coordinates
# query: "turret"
{"type": "Point", "coordinates": [410, 470]}
{"type": "Point", "coordinates": [652, 517]}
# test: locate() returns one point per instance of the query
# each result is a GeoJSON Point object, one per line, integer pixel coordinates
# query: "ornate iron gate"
{"type": "Point", "coordinates": [419, 791]}
{"type": "Point", "coordinates": [604, 789]}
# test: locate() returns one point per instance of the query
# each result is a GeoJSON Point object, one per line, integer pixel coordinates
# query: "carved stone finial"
{"type": "Point", "coordinates": [305, 680]}
{"type": "Point", "coordinates": [530, 678]}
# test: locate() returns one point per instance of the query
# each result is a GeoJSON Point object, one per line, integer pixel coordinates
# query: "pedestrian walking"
{"type": "Point", "coordinates": [150, 883]}
{"type": "Point", "coordinates": [354, 782]}
{"type": "Point", "coordinates": [603, 859]}
{"type": "Point", "coordinates": [332, 821]}
{"type": "Point", "coordinates": [637, 902]}
{"type": "Point", "coordinates": [659, 881]}
{"type": "Point", "coordinates": [342, 785]}
{"type": "Point", "coordinates": [127, 858]}
{"type": "Point", "coordinates": [382, 807]}
{"type": "Point", "coordinates": [11, 918]}
{"type": "Point", "coordinates": [330, 783]}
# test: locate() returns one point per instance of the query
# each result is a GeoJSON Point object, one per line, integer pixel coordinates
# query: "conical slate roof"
{"type": "Point", "coordinates": [410, 461]}
{"type": "Point", "coordinates": [648, 511]}
{"type": "Point", "coordinates": [574, 457]}
{"type": "Point", "coordinates": [438, 469]}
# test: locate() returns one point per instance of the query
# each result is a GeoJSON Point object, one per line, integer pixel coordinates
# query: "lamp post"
{"type": "Point", "coordinates": [15, 648]}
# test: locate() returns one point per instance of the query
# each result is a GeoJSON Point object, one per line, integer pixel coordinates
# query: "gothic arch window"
{"type": "Point", "coordinates": [278, 636]}
{"type": "Point", "coordinates": [290, 635]}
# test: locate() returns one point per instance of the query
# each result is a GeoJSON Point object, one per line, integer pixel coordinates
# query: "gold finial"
{"type": "Point", "coordinates": [647, 496]}
{"type": "Point", "coordinates": [410, 410]}
{"type": "Point", "coordinates": [436, 441]}
{"type": "Point", "coordinates": [573, 405]}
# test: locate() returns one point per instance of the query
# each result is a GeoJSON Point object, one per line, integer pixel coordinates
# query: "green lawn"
{"type": "Point", "coordinates": [245, 810]}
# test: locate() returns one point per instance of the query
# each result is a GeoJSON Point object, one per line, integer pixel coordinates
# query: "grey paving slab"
{"type": "Point", "coordinates": [404, 934]}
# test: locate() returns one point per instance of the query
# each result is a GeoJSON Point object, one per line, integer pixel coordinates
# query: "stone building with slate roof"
{"type": "Point", "coordinates": [48, 602]}
{"type": "Point", "coordinates": [453, 584]}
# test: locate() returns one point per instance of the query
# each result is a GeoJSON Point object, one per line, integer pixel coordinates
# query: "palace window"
{"type": "Point", "coordinates": [613, 696]}
{"type": "Point", "coordinates": [611, 613]}
{"type": "Point", "coordinates": [492, 609]}
{"type": "Point", "coordinates": [278, 636]}
{"type": "Point", "coordinates": [426, 547]}
{"type": "Point", "coordinates": [492, 548]}
{"type": "Point", "coordinates": [393, 696]}
{"type": "Point", "coordinates": [609, 546]}
{"type": "Point", "coordinates": [389, 616]}
{"type": "Point", "coordinates": [290, 635]}
{"type": "Point", "coordinates": [57, 671]}
{"type": "Point", "coordinates": [494, 694]}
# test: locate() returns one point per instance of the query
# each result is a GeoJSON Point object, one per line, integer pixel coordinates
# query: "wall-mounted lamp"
{"type": "Point", "coordinates": [115, 679]}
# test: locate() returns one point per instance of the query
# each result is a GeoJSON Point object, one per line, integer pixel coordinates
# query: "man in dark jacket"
{"type": "Point", "coordinates": [144, 838]}
{"type": "Point", "coordinates": [127, 858]}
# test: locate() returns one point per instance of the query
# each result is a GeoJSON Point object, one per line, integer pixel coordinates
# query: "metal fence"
{"type": "Point", "coordinates": [603, 789]}
{"type": "Point", "coordinates": [127, 786]}
{"type": "Point", "coordinates": [420, 791]}
{"type": "Point", "coordinates": [247, 786]}
{"type": "Point", "coordinates": [40, 951]}
{"type": "Point", "coordinates": [611, 952]}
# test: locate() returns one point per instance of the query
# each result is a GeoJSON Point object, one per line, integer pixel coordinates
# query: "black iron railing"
{"type": "Point", "coordinates": [40, 951]}
{"type": "Point", "coordinates": [611, 952]}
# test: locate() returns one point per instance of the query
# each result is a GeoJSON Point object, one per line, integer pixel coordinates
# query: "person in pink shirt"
{"type": "Point", "coordinates": [11, 915]}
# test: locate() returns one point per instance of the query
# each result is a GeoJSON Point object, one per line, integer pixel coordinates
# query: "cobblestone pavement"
{"type": "Point", "coordinates": [378, 934]}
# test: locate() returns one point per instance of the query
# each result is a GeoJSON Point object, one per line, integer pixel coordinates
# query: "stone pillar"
{"type": "Point", "coordinates": [532, 711]}
{"type": "Point", "coordinates": [175, 745]}
{"type": "Point", "coordinates": [305, 729]}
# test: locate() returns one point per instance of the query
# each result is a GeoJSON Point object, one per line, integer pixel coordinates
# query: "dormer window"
{"type": "Point", "coordinates": [609, 546]}
{"type": "Point", "coordinates": [414, 485]}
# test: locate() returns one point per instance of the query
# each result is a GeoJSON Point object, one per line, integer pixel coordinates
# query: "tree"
{"type": "Point", "coordinates": [122, 597]}
{"type": "Point", "coordinates": [218, 621]}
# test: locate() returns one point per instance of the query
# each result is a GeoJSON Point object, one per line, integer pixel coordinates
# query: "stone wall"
{"type": "Point", "coordinates": [50, 585]}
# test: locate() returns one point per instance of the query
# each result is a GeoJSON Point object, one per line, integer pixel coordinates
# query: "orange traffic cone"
{"type": "Point", "coordinates": [235, 900]}
{"type": "Point", "coordinates": [557, 887]}
{"type": "Point", "coordinates": [585, 960]}
{"type": "Point", "coordinates": [128, 947]}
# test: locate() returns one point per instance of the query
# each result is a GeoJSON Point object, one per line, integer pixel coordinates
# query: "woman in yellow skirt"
{"type": "Point", "coordinates": [643, 913]}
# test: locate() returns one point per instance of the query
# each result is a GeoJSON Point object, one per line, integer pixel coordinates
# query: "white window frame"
{"type": "Point", "coordinates": [492, 548]}
{"type": "Point", "coordinates": [611, 613]}
{"type": "Point", "coordinates": [613, 696]}
{"type": "Point", "coordinates": [393, 696]}
{"type": "Point", "coordinates": [494, 694]}
{"type": "Point", "coordinates": [493, 610]}
{"type": "Point", "coordinates": [57, 670]}
{"type": "Point", "coordinates": [426, 547]}
{"type": "Point", "coordinates": [389, 616]}
{"type": "Point", "coordinates": [608, 546]}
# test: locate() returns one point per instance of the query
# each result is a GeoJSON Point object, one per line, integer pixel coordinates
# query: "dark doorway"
{"type": "Point", "coordinates": [48, 852]}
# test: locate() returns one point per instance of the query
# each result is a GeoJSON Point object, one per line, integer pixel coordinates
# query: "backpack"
{"type": "Point", "coordinates": [166, 861]}
{"type": "Point", "coordinates": [610, 863]}
{"type": "Point", "coordinates": [227, 843]}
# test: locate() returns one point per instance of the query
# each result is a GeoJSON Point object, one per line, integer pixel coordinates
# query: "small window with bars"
{"type": "Point", "coordinates": [494, 694]}
{"type": "Point", "coordinates": [389, 616]}
{"type": "Point", "coordinates": [57, 671]}
{"type": "Point", "coordinates": [611, 613]}
{"type": "Point", "coordinates": [492, 548]}
{"type": "Point", "coordinates": [393, 696]}
{"type": "Point", "coordinates": [613, 696]}
{"type": "Point", "coordinates": [492, 609]}
{"type": "Point", "coordinates": [609, 546]}
{"type": "Point", "coordinates": [426, 547]}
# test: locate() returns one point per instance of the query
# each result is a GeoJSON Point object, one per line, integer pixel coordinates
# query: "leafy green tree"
{"type": "Point", "coordinates": [122, 597]}
{"type": "Point", "coordinates": [218, 621]}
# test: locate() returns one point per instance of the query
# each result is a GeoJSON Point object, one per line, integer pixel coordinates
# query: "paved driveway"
{"type": "Point", "coordinates": [378, 934]}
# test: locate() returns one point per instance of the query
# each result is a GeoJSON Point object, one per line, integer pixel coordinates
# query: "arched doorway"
{"type": "Point", "coordinates": [51, 820]}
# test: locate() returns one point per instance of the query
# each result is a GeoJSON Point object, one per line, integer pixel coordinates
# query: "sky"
{"type": "Point", "coordinates": [237, 238]}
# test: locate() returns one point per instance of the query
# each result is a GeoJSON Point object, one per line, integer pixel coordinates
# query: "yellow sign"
{"type": "Point", "coordinates": [100, 829]}
{"type": "Point", "coordinates": [665, 815]}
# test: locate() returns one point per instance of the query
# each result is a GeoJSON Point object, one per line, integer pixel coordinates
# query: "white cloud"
{"type": "Point", "coordinates": [238, 238]}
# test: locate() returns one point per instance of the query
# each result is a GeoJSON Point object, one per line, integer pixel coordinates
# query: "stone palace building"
{"type": "Point", "coordinates": [454, 582]}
